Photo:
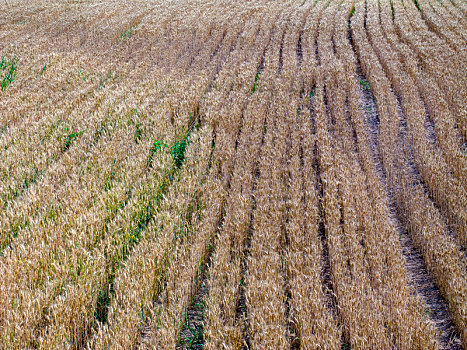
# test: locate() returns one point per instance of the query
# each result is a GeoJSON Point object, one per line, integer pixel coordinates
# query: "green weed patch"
{"type": "Point", "coordinates": [7, 72]}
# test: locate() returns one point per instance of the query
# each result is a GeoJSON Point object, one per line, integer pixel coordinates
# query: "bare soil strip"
{"type": "Point", "coordinates": [421, 281]}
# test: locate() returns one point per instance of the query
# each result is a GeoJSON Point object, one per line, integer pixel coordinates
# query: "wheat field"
{"type": "Point", "coordinates": [213, 174]}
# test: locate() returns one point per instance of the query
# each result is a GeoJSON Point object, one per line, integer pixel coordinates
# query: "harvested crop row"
{"type": "Point", "coordinates": [391, 280]}
{"type": "Point", "coordinates": [440, 22]}
{"type": "Point", "coordinates": [146, 271]}
{"type": "Point", "coordinates": [265, 285]}
{"type": "Point", "coordinates": [225, 329]}
{"type": "Point", "coordinates": [222, 175]}
{"type": "Point", "coordinates": [375, 252]}
{"type": "Point", "coordinates": [123, 202]}
{"type": "Point", "coordinates": [445, 190]}
{"type": "Point", "coordinates": [314, 324]}
{"type": "Point", "coordinates": [439, 61]}
{"type": "Point", "coordinates": [354, 300]}
{"type": "Point", "coordinates": [117, 195]}
{"type": "Point", "coordinates": [447, 135]}
{"type": "Point", "coordinates": [423, 222]}
{"type": "Point", "coordinates": [121, 237]}
{"type": "Point", "coordinates": [40, 137]}
{"type": "Point", "coordinates": [226, 264]}
{"type": "Point", "coordinates": [184, 272]}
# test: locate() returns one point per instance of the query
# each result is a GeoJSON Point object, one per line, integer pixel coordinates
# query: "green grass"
{"type": "Point", "coordinates": [352, 12]}
{"type": "Point", "coordinates": [417, 4]}
{"type": "Point", "coordinates": [365, 84]}
{"type": "Point", "coordinates": [70, 138]}
{"type": "Point", "coordinates": [194, 336]}
{"type": "Point", "coordinates": [128, 33]}
{"type": "Point", "coordinates": [255, 84]}
{"type": "Point", "coordinates": [7, 72]}
{"type": "Point", "coordinates": [312, 92]}
{"type": "Point", "coordinates": [177, 150]}
{"type": "Point", "coordinates": [141, 219]}
{"type": "Point", "coordinates": [156, 146]}
{"type": "Point", "coordinates": [43, 69]}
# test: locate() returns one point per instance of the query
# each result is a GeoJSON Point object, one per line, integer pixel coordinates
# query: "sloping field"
{"type": "Point", "coordinates": [213, 174]}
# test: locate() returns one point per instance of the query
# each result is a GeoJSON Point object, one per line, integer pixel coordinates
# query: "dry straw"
{"type": "Point", "coordinates": [148, 146]}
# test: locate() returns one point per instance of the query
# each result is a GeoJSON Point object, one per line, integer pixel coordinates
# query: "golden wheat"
{"type": "Point", "coordinates": [264, 159]}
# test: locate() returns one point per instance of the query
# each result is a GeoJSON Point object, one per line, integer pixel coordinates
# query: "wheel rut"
{"type": "Point", "coordinates": [421, 282]}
